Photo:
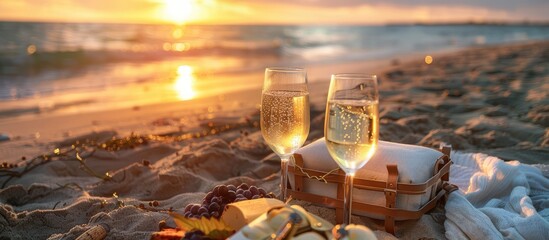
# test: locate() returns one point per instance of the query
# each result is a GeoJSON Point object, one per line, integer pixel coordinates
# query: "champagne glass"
{"type": "Point", "coordinates": [285, 115]}
{"type": "Point", "coordinates": [351, 126]}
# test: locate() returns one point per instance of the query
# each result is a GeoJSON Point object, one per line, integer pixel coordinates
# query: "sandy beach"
{"type": "Point", "coordinates": [490, 99]}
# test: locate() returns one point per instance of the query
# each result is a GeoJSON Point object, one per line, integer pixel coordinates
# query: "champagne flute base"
{"type": "Point", "coordinates": [347, 198]}
{"type": "Point", "coordinates": [283, 178]}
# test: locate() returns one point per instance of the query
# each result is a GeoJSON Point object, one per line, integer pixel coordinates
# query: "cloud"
{"type": "Point", "coordinates": [80, 10]}
{"type": "Point", "coordinates": [364, 14]}
{"type": "Point", "coordinates": [97, 5]}
{"type": "Point", "coordinates": [435, 10]}
{"type": "Point", "coordinates": [497, 4]}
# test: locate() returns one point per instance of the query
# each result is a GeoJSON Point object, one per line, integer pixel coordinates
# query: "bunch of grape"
{"type": "Point", "coordinates": [215, 201]}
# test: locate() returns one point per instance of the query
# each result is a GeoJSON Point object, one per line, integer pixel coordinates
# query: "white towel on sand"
{"type": "Point", "coordinates": [497, 199]}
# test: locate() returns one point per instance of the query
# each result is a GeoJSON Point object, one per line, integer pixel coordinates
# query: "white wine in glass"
{"type": "Point", "coordinates": [352, 126]}
{"type": "Point", "coordinates": [285, 115]}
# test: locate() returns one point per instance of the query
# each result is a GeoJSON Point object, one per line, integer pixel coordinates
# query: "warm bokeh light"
{"type": "Point", "coordinates": [184, 83]}
{"type": "Point", "coordinates": [428, 59]}
{"type": "Point", "coordinates": [180, 47]}
{"type": "Point", "coordinates": [167, 46]}
{"type": "Point", "coordinates": [31, 49]}
{"type": "Point", "coordinates": [179, 11]}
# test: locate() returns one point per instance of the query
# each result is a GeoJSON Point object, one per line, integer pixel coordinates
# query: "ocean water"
{"type": "Point", "coordinates": [73, 61]}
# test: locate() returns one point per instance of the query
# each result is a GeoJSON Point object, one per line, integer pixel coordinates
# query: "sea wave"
{"type": "Point", "coordinates": [22, 64]}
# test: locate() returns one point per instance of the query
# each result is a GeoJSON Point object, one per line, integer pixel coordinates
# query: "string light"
{"type": "Point", "coordinates": [428, 59]}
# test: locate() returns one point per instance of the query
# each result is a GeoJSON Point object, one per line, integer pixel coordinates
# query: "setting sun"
{"type": "Point", "coordinates": [179, 11]}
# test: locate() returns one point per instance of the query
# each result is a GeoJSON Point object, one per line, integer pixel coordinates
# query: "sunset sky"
{"type": "Point", "coordinates": [273, 11]}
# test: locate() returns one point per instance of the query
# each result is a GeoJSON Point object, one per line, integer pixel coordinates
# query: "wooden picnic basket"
{"type": "Point", "coordinates": [434, 188]}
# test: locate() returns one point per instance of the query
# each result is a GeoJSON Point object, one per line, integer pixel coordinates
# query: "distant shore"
{"type": "Point", "coordinates": [475, 23]}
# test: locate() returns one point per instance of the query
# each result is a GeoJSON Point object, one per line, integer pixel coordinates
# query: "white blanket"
{"type": "Point", "coordinates": [497, 200]}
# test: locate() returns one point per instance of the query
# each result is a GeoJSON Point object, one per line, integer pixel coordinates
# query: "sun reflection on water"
{"type": "Point", "coordinates": [184, 83]}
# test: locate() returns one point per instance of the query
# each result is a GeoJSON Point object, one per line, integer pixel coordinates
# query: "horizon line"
{"type": "Point", "coordinates": [411, 23]}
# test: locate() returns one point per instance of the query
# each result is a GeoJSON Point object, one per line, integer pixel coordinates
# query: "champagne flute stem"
{"type": "Point", "coordinates": [284, 177]}
{"type": "Point", "coordinates": [348, 198]}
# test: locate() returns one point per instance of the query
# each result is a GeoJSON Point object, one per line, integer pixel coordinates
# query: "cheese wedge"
{"type": "Point", "coordinates": [240, 214]}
